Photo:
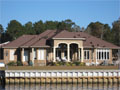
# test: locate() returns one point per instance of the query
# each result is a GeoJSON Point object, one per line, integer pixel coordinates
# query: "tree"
{"type": "Point", "coordinates": [107, 33]}
{"type": "Point", "coordinates": [28, 28]}
{"type": "Point", "coordinates": [95, 29]}
{"type": "Point", "coordinates": [52, 25]}
{"type": "Point", "coordinates": [116, 32]}
{"type": "Point", "coordinates": [76, 28]}
{"type": "Point", "coordinates": [100, 30]}
{"type": "Point", "coordinates": [39, 27]}
{"type": "Point", "coordinates": [66, 25]}
{"type": "Point", "coordinates": [1, 31]}
{"type": "Point", "coordinates": [15, 29]}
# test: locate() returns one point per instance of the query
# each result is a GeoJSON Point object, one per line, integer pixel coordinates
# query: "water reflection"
{"type": "Point", "coordinates": [61, 87]}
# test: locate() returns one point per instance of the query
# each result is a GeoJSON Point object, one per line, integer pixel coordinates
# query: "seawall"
{"type": "Point", "coordinates": [61, 76]}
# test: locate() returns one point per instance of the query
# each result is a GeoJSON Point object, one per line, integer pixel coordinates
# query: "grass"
{"type": "Point", "coordinates": [60, 68]}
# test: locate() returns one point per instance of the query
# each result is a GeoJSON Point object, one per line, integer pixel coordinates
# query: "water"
{"type": "Point", "coordinates": [61, 87]}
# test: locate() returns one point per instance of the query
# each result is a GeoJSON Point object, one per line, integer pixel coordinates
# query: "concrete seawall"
{"type": "Point", "coordinates": [62, 76]}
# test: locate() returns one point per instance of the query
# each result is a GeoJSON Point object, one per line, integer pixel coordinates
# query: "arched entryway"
{"type": "Point", "coordinates": [68, 52]}
{"type": "Point", "coordinates": [74, 52]}
{"type": "Point", "coordinates": [61, 52]}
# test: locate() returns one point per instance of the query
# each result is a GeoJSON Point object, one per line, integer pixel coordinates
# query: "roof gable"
{"type": "Point", "coordinates": [42, 39]}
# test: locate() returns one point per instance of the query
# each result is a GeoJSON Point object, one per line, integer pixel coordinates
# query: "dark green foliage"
{"type": "Point", "coordinates": [76, 63]}
{"type": "Point", "coordinates": [1, 31]}
{"type": "Point", "coordinates": [28, 28]}
{"type": "Point", "coordinates": [15, 29]}
{"type": "Point", "coordinates": [19, 63]}
{"type": "Point", "coordinates": [104, 31]}
{"type": "Point", "coordinates": [12, 63]}
{"type": "Point", "coordinates": [116, 32]}
{"type": "Point", "coordinates": [95, 29]}
{"type": "Point", "coordinates": [6, 37]}
{"type": "Point", "coordinates": [39, 27]}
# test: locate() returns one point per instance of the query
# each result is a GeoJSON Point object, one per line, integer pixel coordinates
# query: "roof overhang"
{"type": "Point", "coordinates": [9, 47]}
{"type": "Point", "coordinates": [34, 46]}
{"type": "Point", "coordinates": [101, 47]}
{"type": "Point", "coordinates": [68, 38]}
{"type": "Point", "coordinates": [40, 46]}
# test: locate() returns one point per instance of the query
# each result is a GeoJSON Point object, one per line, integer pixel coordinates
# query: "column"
{"type": "Point", "coordinates": [79, 54]}
{"type": "Point", "coordinates": [95, 54]}
{"type": "Point", "coordinates": [82, 54]}
{"type": "Point", "coordinates": [54, 53]}
{"type": "Point", "coordinates": [33, 55]}
{"type": "Point", "coordinates": [22, 55]}
{"type": "Point", "coordinates": [68, 53]}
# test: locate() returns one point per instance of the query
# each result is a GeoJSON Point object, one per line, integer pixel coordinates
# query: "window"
{"type": "Point", "coordinates": [41, 54]}
{"type": "Point", "coordinates": [86, 54]}
{"type": "Point", "coordinates": [12, 52]}
{"type": "Point", "coordinates": [25, 55]}
{"type": "Point", "coordinates": [102, 54]}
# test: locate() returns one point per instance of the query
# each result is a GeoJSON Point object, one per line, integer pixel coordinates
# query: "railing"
{"type": "Point", "coordinates": [62, 73]}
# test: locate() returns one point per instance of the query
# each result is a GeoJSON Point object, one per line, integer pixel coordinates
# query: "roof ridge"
{"type": "Point", "coordinates": [28, 41]}
{"type": "Point", "coordinates": [57, 32]}
{"type": "Point", "coordinates": [40, 38]}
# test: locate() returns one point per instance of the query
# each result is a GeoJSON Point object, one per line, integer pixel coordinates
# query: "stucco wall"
{"type": "Point", "coordinates": [79, 42]}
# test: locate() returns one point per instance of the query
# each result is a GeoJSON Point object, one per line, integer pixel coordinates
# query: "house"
{"type": "Point", "coordinates": [1, 54]}
{"type": "Point", "coordinates": [53, 45]}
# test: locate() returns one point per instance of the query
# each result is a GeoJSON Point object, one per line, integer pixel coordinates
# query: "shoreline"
{"type": "Point", "coordinates": [59, 76]}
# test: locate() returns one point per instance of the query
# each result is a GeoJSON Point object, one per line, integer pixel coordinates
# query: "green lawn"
{"type": "Point", "coordinates": [61, 68]}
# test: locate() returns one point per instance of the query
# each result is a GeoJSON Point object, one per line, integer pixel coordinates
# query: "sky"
{"type": "Point", "coordinates": [82, 12]}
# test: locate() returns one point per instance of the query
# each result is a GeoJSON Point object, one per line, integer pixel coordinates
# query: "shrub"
{"type": "Point", "coordinates": [73, 64]}
{"type": "Point", "coordinates": [12, 63]}
{"type": "Point", "coordinates": [50, 63]}
{"type": "Point", "coordinates": [82, 64]}
{"type": "Point", "coordinates": [77, 63]}
{"type": "Point", "coordinates": [60, 63]}
{"type": "Point", "coordinates": [68, 64]}
{"type": "Point", "coordinates": [19, 63]}
{"type": "Point", "coordinates": [57, 64]}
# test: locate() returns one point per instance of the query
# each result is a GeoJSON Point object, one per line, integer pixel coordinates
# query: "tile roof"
{"type": "Point", "coordinates": [41, 40]}
{"type": "Point", "coordinates": [20, 41]}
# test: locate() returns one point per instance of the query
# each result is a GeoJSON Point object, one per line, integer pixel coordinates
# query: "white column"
{"type": "Point", "coordinates": [106, 55]}
{"type": "Point", "coordinates": [79, 53]}
{"type": "Point", "coordinates": [96, 50]}
{"type": "Point", "coordinates": [54, 54]}
{"type": "Point", "coordinates": [33, 55]}
{"type": "Point", "coordinates": [68, 53]}
{"type": "Point", "coordinates": [82, 54]}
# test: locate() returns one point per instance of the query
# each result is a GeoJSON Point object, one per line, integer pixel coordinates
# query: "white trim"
{"type": "Point", "coordinates": [70, 38]}
{"type": "Point", "coordinates": [104, 51]}
{"type": "Point", "coordinates": [87, 52]}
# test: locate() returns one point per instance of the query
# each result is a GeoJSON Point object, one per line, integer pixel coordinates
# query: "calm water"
{"type": "Point", "coordinates": [61, 87]}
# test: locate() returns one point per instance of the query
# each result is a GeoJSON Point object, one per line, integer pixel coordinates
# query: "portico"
{"type": "Point", "coordinates": [70, 50]}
